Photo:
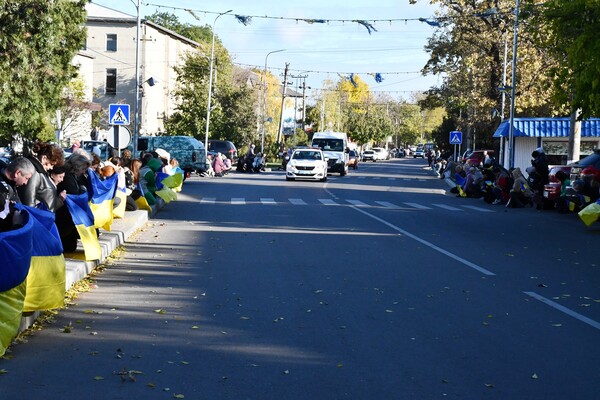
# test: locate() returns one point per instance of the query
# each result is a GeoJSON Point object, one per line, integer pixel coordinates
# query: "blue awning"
{"type": "Point", "coordinates": [547, 127]}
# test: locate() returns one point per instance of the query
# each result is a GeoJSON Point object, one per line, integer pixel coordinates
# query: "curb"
{"type": "Point", "coordinates": [77, 268]}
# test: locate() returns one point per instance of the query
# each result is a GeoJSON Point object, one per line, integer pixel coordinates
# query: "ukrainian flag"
{"type": "Point", "coordinates": [174, 181]}
{"type": "Point", "coordinates": [15, 253]}
{"type": "Point", "coordinates": [119, 211]}
{"type": "Point", "coordinates": [102, 199]}
{"type": "Point", "coordinates": [84, 222]}
{"type": "Point", "coordinates": [46, 279]}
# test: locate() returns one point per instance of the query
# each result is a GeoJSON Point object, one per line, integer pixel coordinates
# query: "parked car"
{"type": "Point", "coordinates": [369, 155]}
{"type": "Point", "coordinates": [224, 147]}
{"type": "Point", "coordinates": [552, 189]}
{"type": "Point", "coordinates": [586, 168]}
{"type": "Point", "coordinates": [187, 150]}
{"type": "Point", "coordinates": [476, 157]}
{"type": "Point", "coordinates": [353, 159]}
{"type": "Point", "coordinates": [381, 153]}
{"type": "Point", "coordinates": [307, 164]}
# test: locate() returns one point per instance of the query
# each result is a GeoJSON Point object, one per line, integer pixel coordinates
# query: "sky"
{"type": "Point", "coordinates": [318, 51]}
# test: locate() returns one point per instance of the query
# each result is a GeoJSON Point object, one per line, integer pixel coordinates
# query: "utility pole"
{"type": "Point", "coordinates": [298, 77]}
{"type": "Point", "coordinates": [282, 102]}
{"type": "Point", "coordinates": [304, 104]}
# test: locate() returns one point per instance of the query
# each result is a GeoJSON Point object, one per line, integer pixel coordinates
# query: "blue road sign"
{"type": "Point", "coordinates": [118, 114]}
{"type": "Point", "coordinates": [455, 137]}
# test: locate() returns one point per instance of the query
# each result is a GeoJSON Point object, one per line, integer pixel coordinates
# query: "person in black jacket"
{"type": "Point", "coordinates": [540, 177]}
{"type": "Point", "coordinates": [74, 182]}
{"type": "Point", "coordinates": [13, 175]}
{"type": "Point", "coordinates": [40, 189]}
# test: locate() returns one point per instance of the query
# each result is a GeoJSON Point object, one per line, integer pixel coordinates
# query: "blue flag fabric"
{"type": "Point", "coordinates": [47, 273]}
{"type": "Point", "coordinates": [102, 199]}
{"type": "Point", "coordinates": [84, 222]}
{"type": "Point", "coordinates": [15, 253]}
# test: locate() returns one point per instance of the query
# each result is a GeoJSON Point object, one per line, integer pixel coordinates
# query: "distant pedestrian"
{"type": "Point", "coordinates": [95, 134]}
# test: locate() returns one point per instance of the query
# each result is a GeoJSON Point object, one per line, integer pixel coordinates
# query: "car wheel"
{"type": "Point", "coordinates": [324, 179]}
{"type": "Point", "coordinates": [287, 178]}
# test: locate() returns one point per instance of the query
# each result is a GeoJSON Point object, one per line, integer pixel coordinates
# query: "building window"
{"type": "Point", "coordinates": [111, 81]}
{"type": "Point", "coordinates": [111, 42]}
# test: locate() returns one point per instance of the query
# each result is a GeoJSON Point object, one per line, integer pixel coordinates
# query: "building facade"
{"type": "Point", "coordinates": [112, 41]}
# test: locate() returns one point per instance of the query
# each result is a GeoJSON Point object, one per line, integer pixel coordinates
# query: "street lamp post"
{"type": "Point", "coordinates": [136, 121]}
{"type": "Point", "coordinates": [212, 59]}
{"type": "Point", "coordinates": [511, 155]}
{"type": "Point", "coordinates": [262, 140]}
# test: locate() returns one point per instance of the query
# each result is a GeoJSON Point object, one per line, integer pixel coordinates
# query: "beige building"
{"type": "Point", "coordinates": [111, 40]}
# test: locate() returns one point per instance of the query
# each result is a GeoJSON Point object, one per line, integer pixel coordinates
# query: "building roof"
{"type": "Point", "coordinates": [100, 13]}
{"type": "Point", "coordinates": [547, 127]}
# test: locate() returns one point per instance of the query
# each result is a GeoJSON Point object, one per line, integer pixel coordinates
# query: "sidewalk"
{"type": "Point", "coordinates": [76, 266]}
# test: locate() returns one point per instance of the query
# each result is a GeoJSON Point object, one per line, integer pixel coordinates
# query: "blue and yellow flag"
{"type": "Point", "coordinates": [174, 181]}
{"type": "Point", "coordinates": [102, 199]}
{"type": "Point", "coordinates": [15, 253]}
{"type": "Point", "coordinates": [119, 211]}
{"type": "Point", "coordinates": [46, 278]}
{"type": "Point", "coordinates": [84, 222]}
{"type": "Point", "coordinates": [11, 311]}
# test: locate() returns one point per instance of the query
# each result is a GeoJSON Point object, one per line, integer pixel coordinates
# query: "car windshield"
{"type": "Point", "coordinates": [307, 155]}
{"type": "Point", "coordinates": [329, 144]}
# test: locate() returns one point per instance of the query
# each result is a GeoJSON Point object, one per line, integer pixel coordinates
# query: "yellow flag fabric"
{"type": "Point", "coordinates": [119, 211]}
{"type": "Point", "coordinates": [590, 214]}
{"type": "Point", "coordinates": [142, 204]}
{"type": "Point", "coordinates": [166, 194]}
{"type": "Point", "coordinates": [46, 278]}
{"type": "Point", "coordinates": [102, 199]}
{"type": "Point", "coordinates": [84, 222]}
{"type": "Point", "coordinates": [174, 182]}
{"type": "Point", "coordinates": [11, 309]}
{"type": "Point", "coordinates": [45, 283]}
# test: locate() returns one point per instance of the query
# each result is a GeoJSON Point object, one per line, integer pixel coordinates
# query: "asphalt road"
{"type": "Point", "coordinates": [377, 285]}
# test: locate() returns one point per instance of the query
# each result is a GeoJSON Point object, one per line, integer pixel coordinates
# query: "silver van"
{"type": "Point", "coordinates": [188, 151]}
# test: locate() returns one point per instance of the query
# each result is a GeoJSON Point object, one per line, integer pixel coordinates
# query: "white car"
{"type": "Point", "coordinates": [306, 164]}
{"type": "Point", "coordinates": [381, 153]}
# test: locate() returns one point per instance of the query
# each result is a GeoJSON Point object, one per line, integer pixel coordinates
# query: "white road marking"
{"type": "Point", "coordinates": [418, 206]}
{"type": "Point", "coordinates": [328, 202]}
{"type": "Point", "coordinates": [387, 204]}
{"type": "Point", "coordinates": [446, 207]}
{"type": "Point", "coordinates": [268, 201]}
{"type": "Point", "coordinates": [481, 209]}
{"type": "Point", "coordinates": [357, 203]}
{"type": "Point", "coordinates": [565, 310]}
{"type": "Point", "coordinates": [238, 201]}
{"type": "Point", "coordinates": [297, 202]}
{"type": "Point", "coordinates": [209, 200]}
{"type": "Point", "coordinates": [428, 244]}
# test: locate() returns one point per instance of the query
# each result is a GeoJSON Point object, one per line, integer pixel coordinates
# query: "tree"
{"type": "Point", "coordinates": [38, 40]}
{"type": "Point", "coordinates": [573, 28]}
{"type": "Point", "coordinates": [468, 50]}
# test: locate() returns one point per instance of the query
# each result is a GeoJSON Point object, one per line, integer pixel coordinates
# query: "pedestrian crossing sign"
{"type": "Point", "coordinates": [118, 114]}
{"type": "Point", "coordinates": [455, 137]}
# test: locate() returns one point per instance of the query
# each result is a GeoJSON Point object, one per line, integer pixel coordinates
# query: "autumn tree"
{"type": "Point", "coordinates": [467, 49]}
{"type": "Point", "coordinates": [232, 105]}
{"type": "Point", "coordinates": [38, 40]}
{"type": "Point", "coordinates": [572, 38]}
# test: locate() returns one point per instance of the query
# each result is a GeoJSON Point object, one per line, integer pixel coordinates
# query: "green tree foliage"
{"type": "Point", "coordinates": [574, 28]}
{"type": "Point", "coordinates": [468, 50]}
{"type": "Point", "coordinates": [232, 106]}
{"type": "Point", "coordinates": [38, 40]}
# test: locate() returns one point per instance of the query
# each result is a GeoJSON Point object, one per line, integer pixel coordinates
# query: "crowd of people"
{"type": "Point", "coordinates": [517, 189]}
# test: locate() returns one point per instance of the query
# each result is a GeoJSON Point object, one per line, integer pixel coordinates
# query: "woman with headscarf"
{"type": "Point", "coordinates": [40, 189]}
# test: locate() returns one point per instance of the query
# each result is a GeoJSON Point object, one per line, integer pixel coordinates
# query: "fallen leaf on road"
{"type": "Point", "coordinates": [160, 311]}
{"type": "Point", "coordinates": [489, 385]}
{"type": "Point", "coordinates": [534, 376]}
{"type": "Point", "coordinates": [98, 378]}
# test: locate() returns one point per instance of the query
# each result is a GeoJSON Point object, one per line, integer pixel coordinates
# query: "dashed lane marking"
{"type": "Point", "coordinates": [418, 206]}
{"type": "Point", "coordinates": [328, 202]}
{"type": "Point", "coordinates": [447, 207]}
{"type": "Point", "coordinates": [297, 202]}
{"type": "Point", "coordinates": [238, 201]}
